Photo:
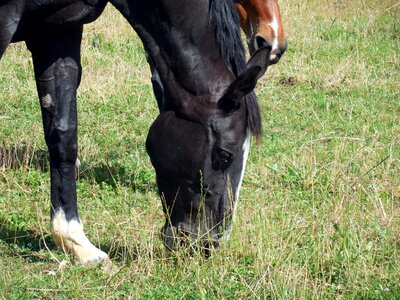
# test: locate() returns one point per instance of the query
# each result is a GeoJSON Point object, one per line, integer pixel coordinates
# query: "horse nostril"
{"type": "Point", "coordinates": [260, 42]}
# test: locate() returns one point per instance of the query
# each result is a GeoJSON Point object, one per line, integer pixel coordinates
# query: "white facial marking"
{"type": "Point", "coordinates": [246, 149]}
{"type": "Point", "coordinates": [274, 25]}
{"type": "Point", "coordinates": [69, 237]}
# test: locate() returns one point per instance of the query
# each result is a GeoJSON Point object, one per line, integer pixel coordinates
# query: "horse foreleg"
{"type": "Point", "coordinates": [158, 88]}
{"type": "Point", "coordinates": [57, 67]}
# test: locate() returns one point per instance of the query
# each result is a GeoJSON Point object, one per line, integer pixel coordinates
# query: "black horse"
{"type": "Point", "coordinates": [198, 144]}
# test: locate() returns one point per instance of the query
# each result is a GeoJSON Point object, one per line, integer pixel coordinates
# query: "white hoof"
{"type": "Point", "coordinates": [70, 238]}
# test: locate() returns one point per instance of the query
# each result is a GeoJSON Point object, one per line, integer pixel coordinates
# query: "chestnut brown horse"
{"type": "Point", "coordinates": [261, 21]}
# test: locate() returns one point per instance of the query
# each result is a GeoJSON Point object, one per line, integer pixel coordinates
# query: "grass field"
{"type": "Point", "coordinates": [319, 214]}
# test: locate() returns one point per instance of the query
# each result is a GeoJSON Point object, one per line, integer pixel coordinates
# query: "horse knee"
{"type": "Point", "coordinates": [69, 70]}
{"type": "Point", "coordinates": [68, 62]}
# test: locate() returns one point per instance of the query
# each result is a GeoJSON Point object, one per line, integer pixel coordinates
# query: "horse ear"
{"type": "Point", "coordinates": [260, 58]}
{"type": "Point", "coordinates": [246, 82]}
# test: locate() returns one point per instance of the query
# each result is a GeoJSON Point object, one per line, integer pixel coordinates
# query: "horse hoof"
{"type": "Point", "coordinates": [70, 238]}
{"type": "Point", "coordinates": [89, 256]}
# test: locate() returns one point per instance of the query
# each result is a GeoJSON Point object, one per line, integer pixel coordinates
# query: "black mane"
{"type": "Point", "coordinates": [224, 20]}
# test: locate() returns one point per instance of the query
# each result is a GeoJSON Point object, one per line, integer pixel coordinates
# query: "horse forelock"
{"type": "Point", "coordinates": [225, 22]}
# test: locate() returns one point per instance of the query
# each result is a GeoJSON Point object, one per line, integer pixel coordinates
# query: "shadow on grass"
{"type": "Point", "coordinates": [154, 250]}
{"type": "Point", "coordinates": [25, 156]}
{"type": "Point", "coordinates": [116, 174]}
{"type": "Point", "coordinates": [24, 243]}
{"type": "Point", "coordinates": [27, 243]}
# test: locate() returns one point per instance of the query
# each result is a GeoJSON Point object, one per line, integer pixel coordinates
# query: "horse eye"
{"type": "Point", "coordinates": [224, 155]}
{"type": "Point", "coordinates": [221, 159]}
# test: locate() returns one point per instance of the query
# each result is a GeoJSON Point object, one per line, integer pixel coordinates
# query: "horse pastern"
{"type": "Point", "coordinates": [70, 238]}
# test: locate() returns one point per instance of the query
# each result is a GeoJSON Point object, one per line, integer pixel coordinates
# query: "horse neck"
{"type": "Point", "coordinates": [179, 40]}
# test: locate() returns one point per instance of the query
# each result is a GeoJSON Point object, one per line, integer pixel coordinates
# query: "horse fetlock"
{"type": "Point", "coordinates": [70, 238]}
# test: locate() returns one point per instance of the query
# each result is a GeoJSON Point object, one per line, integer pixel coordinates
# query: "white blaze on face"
{"type": "Point", "coordinates": [274, 25]}
{"type": "Point", "coordinates": [69, 237]}
{"type": "Point", "coordinates": [246, 150]}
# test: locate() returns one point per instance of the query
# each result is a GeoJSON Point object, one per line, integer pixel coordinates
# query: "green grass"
{"type": "Point", "coordinates": [319, 209]}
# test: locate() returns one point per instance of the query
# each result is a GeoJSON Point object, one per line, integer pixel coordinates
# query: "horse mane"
{"type": "Point", "coordinates": [224, 20]}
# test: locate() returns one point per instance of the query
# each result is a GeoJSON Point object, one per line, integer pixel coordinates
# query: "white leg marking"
{"type": "Point", "coordinates": [69, 237]}
{"type": "Point", "coordinates": [246, 149]}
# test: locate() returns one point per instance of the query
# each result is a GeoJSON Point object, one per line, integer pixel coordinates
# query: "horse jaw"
{"type": "Point", "coordinates": [70, 238]}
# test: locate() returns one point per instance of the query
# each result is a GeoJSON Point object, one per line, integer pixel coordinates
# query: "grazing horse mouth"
{"type": "Point", "coordinates": [176, 237]}
{"type": "Point", "coordinates": [275, 58]}
{"type": "Point", "coordinates": [198, 236]}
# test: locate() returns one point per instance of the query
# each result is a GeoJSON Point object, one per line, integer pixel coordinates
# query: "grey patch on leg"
{"type": "Point", "coordinates": [47, 101]}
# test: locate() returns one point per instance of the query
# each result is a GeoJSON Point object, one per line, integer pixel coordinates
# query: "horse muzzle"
{"type": "Point", "coordinates": [179, 237]}
{"type": "Point", "coordinates": [258, 41]}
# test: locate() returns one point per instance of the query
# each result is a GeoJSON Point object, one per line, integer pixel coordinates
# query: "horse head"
{"type": "Point", "coordinates": [199, 154]}
{"type": "Point", "coordinates": [261, 20]}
